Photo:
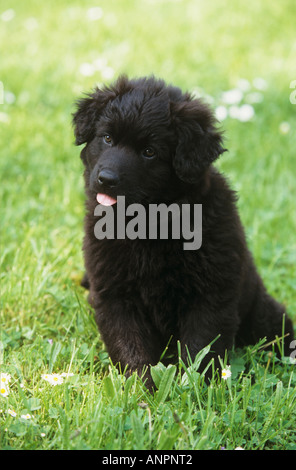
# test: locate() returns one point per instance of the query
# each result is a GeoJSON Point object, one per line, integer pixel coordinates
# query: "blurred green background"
{"type": "Point", "coordinates": [52, 52]}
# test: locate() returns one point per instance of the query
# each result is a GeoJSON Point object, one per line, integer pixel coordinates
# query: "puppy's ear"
{"type": "Point", "coordinates": [198, 142]}
{"type": "Point", "coordinates": [88, 112]}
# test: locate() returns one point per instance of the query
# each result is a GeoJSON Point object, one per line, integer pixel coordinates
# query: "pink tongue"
{"type": "Point", "coordinates": [105, 200]}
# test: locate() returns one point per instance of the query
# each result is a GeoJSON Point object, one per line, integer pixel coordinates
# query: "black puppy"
{"type": "Point", "coordinates": [153, 144]}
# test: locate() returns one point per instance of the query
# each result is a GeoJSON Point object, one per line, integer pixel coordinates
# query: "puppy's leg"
{"type": "Point", "coordinates": [130, 340]}
{"type": "Point", "coordinates": [266, 319]}
{"type": "Point", "coordinates": [203, 325]}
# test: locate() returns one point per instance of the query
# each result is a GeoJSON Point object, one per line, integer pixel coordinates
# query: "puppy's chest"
{"type": "Point", "coordinates": [157, 273]}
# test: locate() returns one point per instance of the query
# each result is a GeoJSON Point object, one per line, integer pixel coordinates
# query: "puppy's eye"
{"type": "Point", "coordinates": [149, 152]}
{"type": "Point", "coordinates": [108, 139]}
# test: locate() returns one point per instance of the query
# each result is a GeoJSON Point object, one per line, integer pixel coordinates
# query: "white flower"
{"type": "Point", "coordinates": [246, 112]}
{"type": "Point", "coordinates": [46, 377]}
{"type": "Point", "coordinates": [242, 113]}
{"type": "Point", "coordinates": [232, 96]}
{"type": "Point", "coordinates": [234, 112]}
{"type": "Point", "coordinates": [11, 412]}
{"type": "Point", "coordinates": [221, 113]}
{"type": "Point", "coordinates": [284, 127]}
{"type": "Point", "coordinates": [243, 84]}
{"type": "Point", "coordinates": [102, 66]}
{"type": "Point", "coordinates": [31, 24]}
{"type": "Point", "coordinates": [8, 15]}
{"type": "Point", "coordinates": [254, 97]}
{"type": "Point", "coordinates": [27, 416]}
{"type": "Point", "coordinates": [238, 448]}
{"type": "Point", "coordinates": [4, 117]}
{"type": "Point", "coordinates": [87, 69]}
{"type": "Point", "coordinates": [226, 373]}
{"type": "Point", "coordinates": [53, 379]}
{"type": "Point", "coordinates": [4, 390]}
{"type": "Point", "coordinates": [260, 83]}
{"type": "Point", "coordinates": [9, 97]}
{"type": "Point", "coordinates": [56, 379]}
{"type": "Point", "coordinates": [108, 73]}
{"type": "Point", "coordinates": [4, 378]}
{"type": "Point", "coordinates": [100, 63]}
{"type": "Point", "coordinates": [4, 384]}
{"type": "Point", "coordinates": [94, 13]}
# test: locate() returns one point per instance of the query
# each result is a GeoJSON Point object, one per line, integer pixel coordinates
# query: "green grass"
{"type": "Point", "coordinates": [196, 45]}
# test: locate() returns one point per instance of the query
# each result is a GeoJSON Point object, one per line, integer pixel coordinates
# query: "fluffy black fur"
{"type": "Point", "coordinates": [147, 293]}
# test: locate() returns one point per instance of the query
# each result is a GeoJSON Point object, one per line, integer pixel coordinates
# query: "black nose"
{"type": "Point", "coordinates": [108, 178]}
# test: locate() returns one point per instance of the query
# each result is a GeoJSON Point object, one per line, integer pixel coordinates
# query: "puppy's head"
{"type": "Point", "coordinates": [145, 140]}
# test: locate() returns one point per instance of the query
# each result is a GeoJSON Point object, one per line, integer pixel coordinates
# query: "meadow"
{"type": "Point", "coordinates": [58, 387]}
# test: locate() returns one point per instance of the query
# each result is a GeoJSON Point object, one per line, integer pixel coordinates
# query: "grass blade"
{"type": "Point", "coordinates": [165, 384]}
